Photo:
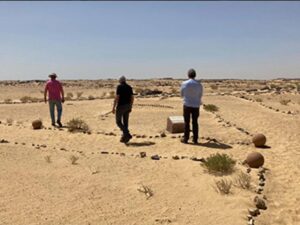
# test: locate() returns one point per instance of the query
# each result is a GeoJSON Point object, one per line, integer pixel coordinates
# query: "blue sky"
{"type": "Point", "coordinates": [94, 40]}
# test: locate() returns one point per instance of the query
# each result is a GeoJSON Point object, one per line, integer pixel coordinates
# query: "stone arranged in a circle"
{"type": "Point", "coordinates": [37, 124]}
{"type": "Point", "coordinates": [255, 160]}
{"type": "Point", "coordinates": [143, 154]}
{"type": "Point", "coordinates": [259, 140]}
{"type": "Point", "coordinates": [155, 157]}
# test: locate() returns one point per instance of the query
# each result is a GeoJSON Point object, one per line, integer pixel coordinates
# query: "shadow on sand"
{"type": "Point", "coordinates": [214, 144]}
{"type": "Point", "coordinates": [140, 144]}
{"type": "Point", "coordinates": [264, 147]}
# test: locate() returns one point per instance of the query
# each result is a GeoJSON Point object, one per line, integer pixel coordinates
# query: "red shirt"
{"type": "Point", "coordinates": [54, 89]}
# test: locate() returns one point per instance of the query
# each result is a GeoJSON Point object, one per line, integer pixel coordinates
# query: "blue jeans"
{"type": "Point", "coordinates": [52, 104]}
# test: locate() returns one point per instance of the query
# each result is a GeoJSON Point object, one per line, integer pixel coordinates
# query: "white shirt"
{"type": "Point", "coordinates": [191, 91]}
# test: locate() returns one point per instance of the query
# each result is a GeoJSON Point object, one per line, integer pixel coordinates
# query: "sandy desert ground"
{"type": "Point", "coordinates": [40, 185]}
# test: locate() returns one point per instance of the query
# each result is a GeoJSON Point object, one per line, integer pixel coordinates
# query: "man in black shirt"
{"type": "Point", "coordinates": [122, 107]}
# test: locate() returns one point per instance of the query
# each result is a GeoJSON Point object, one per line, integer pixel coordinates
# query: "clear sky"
{"type": "Point", "coordinates": [94, 40]}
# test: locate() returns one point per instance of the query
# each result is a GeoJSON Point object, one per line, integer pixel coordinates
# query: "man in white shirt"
{"type": "Point", "coordinates": [191, 91]}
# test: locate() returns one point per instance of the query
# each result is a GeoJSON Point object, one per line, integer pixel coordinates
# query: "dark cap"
{"type": "Point", "coordinates": [52, 75]}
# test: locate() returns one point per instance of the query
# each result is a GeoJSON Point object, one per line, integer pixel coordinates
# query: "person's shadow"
{"type": "Point", "coordinates": [140, 144]}
{"type": "Point", "coordinates": [214, 144]}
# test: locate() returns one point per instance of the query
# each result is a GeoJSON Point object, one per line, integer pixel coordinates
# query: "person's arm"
{"type": "Point", "coordinates": [115, 103]}
{"type": "Point", "coordinates": [181, 90]}
{"type": "Point", "coordinates": [62, 94]}
{"type": "Point", "coordinates": [45, 94]}
{"type": "Point", "coordinates": [132, 100]}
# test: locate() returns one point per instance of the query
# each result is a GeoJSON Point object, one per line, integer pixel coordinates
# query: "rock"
{"type": "Point", "coordinates": [259, 190]}
{"type": "Point", "coordinates": [261, 183]}
{"type": "Point", "coordinates": [254, 212]}
{"type": "Point", "coordinates": [143, 154]}
{"type": "Point", "coordinates": [104, 152]}
{"type": "Point", "coordinates": [4, 141]}
{"type": "Point", "coordinates": [255, 160]}
{"type": "Point", "coordinates": [197, 159]}
{"type": "Point", "coordinates": [122, 154]}
{"type": "Point", "coordinates": [163, 134]}
{"type": "Point", "coordinates": [259, 140]}
{"type": "Point", "coordinates": [155, 157]}
{"type": "Point", "coordinates": [248, 170]}
{"type": "Point", "coordinates": [260, 203]}
{"type": "Point", "coordinates": [37, 124]}
{"type": "Point", "coordinates": [176, 157]}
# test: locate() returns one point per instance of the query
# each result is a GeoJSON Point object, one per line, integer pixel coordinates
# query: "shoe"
{"type": "Point", "coordinates": [59, 123]}
{"type": "Point", "coordinates": [195, 142]}
{"type": "Point", "coordinates": [122, 139]}
{"type": "Point", "coordinates": [127, 138]}
{"type": "Point", "coordinates": [184, 141]}
{"type": "Point", "coordinates": [53, 124]}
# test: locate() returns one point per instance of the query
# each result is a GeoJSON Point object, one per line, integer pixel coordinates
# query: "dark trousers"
{"type": "Point", "coordinates": [122, 117]}
{"type": "Point", "coordinates": [187, 112]}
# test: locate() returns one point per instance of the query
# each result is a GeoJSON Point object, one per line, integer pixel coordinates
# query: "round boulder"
{"type": "Point", "coordinates": [259, 140]}
{"type": "Point", "coordinates": [255, 160]}
{"type": "Point", "coordinates": [37, 124]}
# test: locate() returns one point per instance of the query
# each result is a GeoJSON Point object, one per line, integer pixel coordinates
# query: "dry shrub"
{"type": "Point", "coordinates": [9, 121]}
{"type": "Point", "coordinates": [48, 159]}
{"type": "Point", "coordinates": [79, 94]}
{"type": "Point", "coordinates": [111, 94]}
{"type": "Point", "coordinates": [219, 164]}
{"type": "Point", "coordinates": [285, 101]}
{"type": "Point", "coordinates": [91, 97]}
{"type": "Point", "coordinates": [8, 101]}
{"type": "Point", "coordinates": [26, 99]}
{"type": "Point", "coordinates": [223, 186]}
{"type": "Point", "coordinates": [258, 100]}
{"type": "Point", "coordinates": [70, 95]}
{"type": "Point", "coordinates": [214, 87]}
{"type": "Point", "coordinates": [78, 125]}
{"type": "Point", "coordinates": [211, 108]}
{"type": "Point", "coordinates": [243, 180]}
{"type": "Point", "coordinates": [146, 190]}
{"type": "Point", "coordinates": [74, 159]}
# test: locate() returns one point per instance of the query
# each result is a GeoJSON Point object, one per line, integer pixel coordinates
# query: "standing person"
{"type": "Point", "coordinates": [122, 107]}
{"type": "Point", "coordinates": [191, 91]}
{"type": "Point", "coordinates": [55, 98]}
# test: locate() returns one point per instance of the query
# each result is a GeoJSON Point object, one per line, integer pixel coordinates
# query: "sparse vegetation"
{"type": "Point", "coordinates": [285, 101]}
{"type": "Point", "coordinates": [219, 164]}
{"type": "Point", "coordinates": [48, 159]}
{"type": "Point", "coordinates": [26, 99]}
{"type": "Point", "coordinates": [74, 159]}
{"type": "Point", "coordinates": [214, 87]}
{"type": "Point", "coordinates": [146, 190]}
{"type": "Point", "coordinates": [243, 180]}
{"type": "Point", "coordinates": [79, 94]}
{"type": "Point", "coordinates": [91, 97]}
{"type": "Point", "coordinates": [258, 100]}
{"type": "Point", "coordinates": [78, 125]}
{"type": "Point", "coordinates": [211, 108]}
{"type": "Point", "coordinates": [8, 101]}
{"type": "Point", "coordinates": [223, 186]}
{"type": "Point", "coordinates": [9, 121]}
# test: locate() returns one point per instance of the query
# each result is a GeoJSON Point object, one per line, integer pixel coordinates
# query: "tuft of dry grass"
{"type": "Point", "coordinates": [9, 121]}
{"type": "Point", "coordinates": [214, 87]}
{"type": "Point", "coordinates": [91, 97]}
{"type": "Point", "coordinates": [146, 190]}
{"type": "Point", "coordinates": [258, 100]}
{"type": "Point", "coordinates": [243, 180]}
{"type": "Point", "coordinates": [74, 159]}
{"type": "Point", "coordinates": [78, 125]}
{"type": "Point", "coordinates": [219, 164]}
{"type": "Point", "coordinates": [211, 108]}
{"type": "Point", "coordinates": [223, 186]}
{"type": "Point", "coordinates": [79, 94]}
{"type": "Point", "coordinates": [8, 101]}
{"type": "Point", "coordinates": [285, 101]}
{"type": "Point", "coordinates": [48, 159]}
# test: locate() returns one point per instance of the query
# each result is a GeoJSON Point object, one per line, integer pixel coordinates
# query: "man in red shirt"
{"type": "Point", "coordinates": [55, 98]}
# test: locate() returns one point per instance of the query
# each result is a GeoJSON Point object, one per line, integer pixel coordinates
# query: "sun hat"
{"type": "Point", "coordinates": [52, 75]}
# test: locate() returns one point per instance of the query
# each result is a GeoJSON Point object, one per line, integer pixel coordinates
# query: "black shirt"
{"type": "Point", "coordinates": [125, 92]}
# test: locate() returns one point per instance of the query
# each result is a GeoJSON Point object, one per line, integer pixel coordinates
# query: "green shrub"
{"type": "Point", "coordinates": [219, 164]}
{"type": "Point", "coordinates": [211, 108]}
{"type": "Point", "coordinates": [78, 125]}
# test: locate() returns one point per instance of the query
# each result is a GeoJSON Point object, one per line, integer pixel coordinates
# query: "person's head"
{"type": "Point", "coordinates": [191, 73]}
{"type": "Point", "coordinates": [52, 76]}
{"type": "Point", "coordinates": [122, 79]}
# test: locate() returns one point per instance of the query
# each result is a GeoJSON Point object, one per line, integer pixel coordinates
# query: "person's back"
{"type": "Point", "coordinates": [191, 91]}
{"type": "Point", "coordinates": [54, 88]}
{"type": "Point", "coordinates": [125, 92]}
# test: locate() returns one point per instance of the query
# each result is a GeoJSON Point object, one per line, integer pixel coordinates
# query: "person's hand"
{"type": "Point", "coordinates": [63, 100]}
{"type": "Point", "coordinates": [113, 110]}
{"type": "Point", "coordinates": [45, 100]}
